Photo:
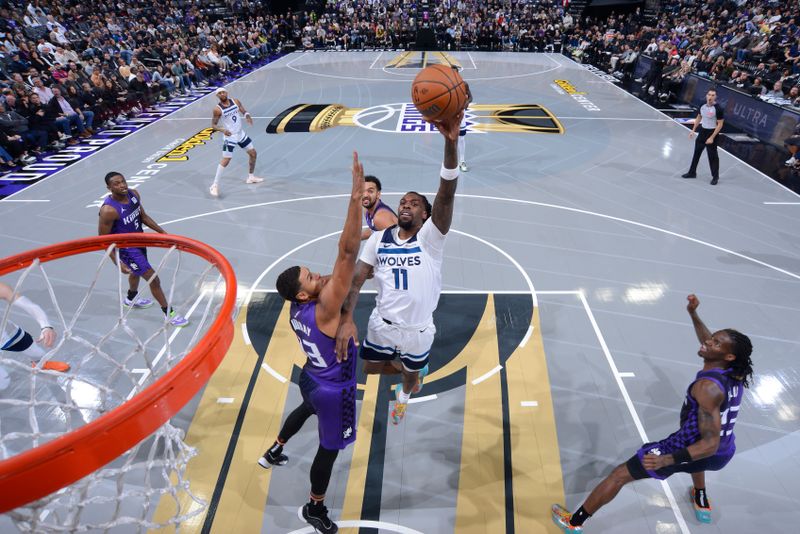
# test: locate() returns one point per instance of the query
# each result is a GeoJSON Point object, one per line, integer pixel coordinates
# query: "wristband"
{"type": "Point", "coordinates": [247, 114]}
{"type": "Point", "coordinates": [448, 174]}
{"type": "Point", "coordinates": [682, 456]}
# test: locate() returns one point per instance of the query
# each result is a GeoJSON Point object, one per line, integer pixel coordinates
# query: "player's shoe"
{"type": "Point", "coordinates": [253, 180]}
{"type": "Point", "coordinates": [177, 320]}
{"type": "Point", "coordinates": [214, 190]}
{"type": "Point", "coordinates": [398, 412]}
{"type": "Point", "coordinates": [422, 374]}
{"type": "Point", "coordinates": [53, 365]}
{"type": "Point", "coordinates": [463, 166]}
{"type": "Point", "coordinates": [269, 459]}
{"type": "Point", "coordinates": [702, 514]}
{"type": "Point", "coordinates": [561, 518]}
{"type": "Point", "coordinates": [137, 302]}
{"type": "Point", "coordinates": [317, 517]}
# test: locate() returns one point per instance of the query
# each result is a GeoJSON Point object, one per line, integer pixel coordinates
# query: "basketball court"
{"type": "Point", "coordinates": [562, 341]}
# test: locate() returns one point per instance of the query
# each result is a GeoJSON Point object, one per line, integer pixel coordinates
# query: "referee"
{"type": "Point", "coordinates": [710, 120]}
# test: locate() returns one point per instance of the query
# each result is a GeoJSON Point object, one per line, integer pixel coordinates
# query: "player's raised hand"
{"type": "Point", "coordinates": [358, 176]}
{"type": "Point", "coordinates": [347, 330]}
{"type": "Point", "coordinates": [450, 127]}
{"type": "Point", "coordinates": [694, 302]}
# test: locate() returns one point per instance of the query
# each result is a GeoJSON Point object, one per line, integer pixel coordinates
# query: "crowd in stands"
{"type": "Point", "coordinates": [69, 67]}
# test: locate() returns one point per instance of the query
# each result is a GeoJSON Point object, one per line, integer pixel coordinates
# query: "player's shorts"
{"type": "Point", "coordinates": [386, 341]}
{"type": "Point", "coordinates": [136, 260]}
{"type": "Point", "coordinates": [18, 342]}
{"type": "Point", "coordinates": [229, 143]}
{"type": "Point", "coordinates": [712, 463]}
{"type": "Point", "coordinates": [335, 407]}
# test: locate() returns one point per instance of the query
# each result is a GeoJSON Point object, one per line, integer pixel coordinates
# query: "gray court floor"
{"type": "Point", "coordinates": [600, 211]}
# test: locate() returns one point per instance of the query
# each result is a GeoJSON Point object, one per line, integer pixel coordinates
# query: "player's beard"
{"type": "Point", "coordinates": [406, 225]}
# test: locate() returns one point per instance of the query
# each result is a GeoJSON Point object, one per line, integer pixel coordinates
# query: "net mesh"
{"type": "Point", "coordinates": [115, 352]}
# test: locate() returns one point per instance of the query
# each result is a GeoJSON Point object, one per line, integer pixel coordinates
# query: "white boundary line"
{"type": "Point", "coordinates": [671, 120]}
{"type": "Point", "coordinates": [274, 373]}
{"type": "Point", "coordinates": [782, 203]}
{"type": "Point", "coordinates": [422, 399]}
{"type": "Point", "coordinates": [487, 375]}
{"type": "Point", "coordinates": [246, 335]}
{"type": "Point", "coordinates": [514, 201]}
{"type": "Point", "coordinates": [376, 60]}
{"type": "Point", "coordinates": [23, 199]}
{"type": "Point", "coordinates": [531, 404]}
{"type": "Point", "coordinates": [626, 397]}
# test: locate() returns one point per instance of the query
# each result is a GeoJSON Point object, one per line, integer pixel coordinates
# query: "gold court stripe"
{"type": "Point", "coordinates": [538, 480]}
{"type": "Point", "coordinates": [480, 505]}
{"type": "Point", "coordinates": [356, 478]}
{"type": "Point", "coordinates": [241, 506]}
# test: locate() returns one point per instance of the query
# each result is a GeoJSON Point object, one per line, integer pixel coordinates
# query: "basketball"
{"type": "Point", "coordinates": [439, 92]}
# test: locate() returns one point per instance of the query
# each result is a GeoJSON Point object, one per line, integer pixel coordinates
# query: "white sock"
{"type": "Point", "coordinates": [402, 397]}
{"type": "Point", "coordinates": [462, 148]}
{"type": "Point", "coordinates": [217, 176]}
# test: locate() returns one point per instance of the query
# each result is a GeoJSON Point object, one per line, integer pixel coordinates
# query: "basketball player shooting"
{"type": "Point", "coordinates": [15, 339]}
{"type": "Point", "coordinates": [227, 118]}
{"type": "Point", "coordinates": [406, 261]}
{"type": "Point", "coordinates": [327, 383]}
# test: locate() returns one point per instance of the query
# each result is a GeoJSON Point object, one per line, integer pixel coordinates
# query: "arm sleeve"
{"type": "Point", "coordinates": [26, 305]}
{"type": "Point", "coordinates": [370, 253]}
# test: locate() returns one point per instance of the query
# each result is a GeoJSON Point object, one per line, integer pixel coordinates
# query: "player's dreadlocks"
{"type": "Point", "coordinates": [742, 348]}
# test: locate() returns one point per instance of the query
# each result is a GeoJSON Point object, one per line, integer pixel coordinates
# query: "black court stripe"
{"type": "Point", "coordinates": [508, 468]}
{"type": "Point", "coordinates": [265, 314]}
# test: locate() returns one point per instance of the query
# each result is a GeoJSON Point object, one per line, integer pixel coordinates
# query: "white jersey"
{"type": "Point", "coordinates": [10, 332]}
{"type": "Point", "coordinates": [408, 274]}
{"type": "Point", "coordinates": [231, 120]}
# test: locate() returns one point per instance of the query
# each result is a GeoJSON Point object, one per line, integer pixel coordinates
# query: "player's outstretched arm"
{"type": "Point", "coordinates": [48, 334]}
{"type": "Point", "coordinates": [445, 198]}
{"type": "Point", "coordinates": [215, 117]}
{"type": "Point", "coordinates": [703, 333]}
{"type": "Point", "coordinates": [337, 288]}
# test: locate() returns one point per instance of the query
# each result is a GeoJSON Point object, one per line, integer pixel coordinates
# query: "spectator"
{"type": "Point", "coordinates": [67, 117]}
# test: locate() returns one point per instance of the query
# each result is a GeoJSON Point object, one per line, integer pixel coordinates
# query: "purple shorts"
{"type": "Point", "coordinates": [335, 407]}
{"type": "Point", "coordinates": [712, 463]}
{"type": "Point", "coordinates": [135, 259]}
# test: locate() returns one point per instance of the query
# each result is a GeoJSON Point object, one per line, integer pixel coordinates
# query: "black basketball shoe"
{"type": "Point", "coordinates": [317, 516]}
{"type": "Point", "coordinates": [273, 456]}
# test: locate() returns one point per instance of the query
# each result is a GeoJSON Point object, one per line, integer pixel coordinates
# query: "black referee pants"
{"type": "Point", "coordinates": [713, 157]}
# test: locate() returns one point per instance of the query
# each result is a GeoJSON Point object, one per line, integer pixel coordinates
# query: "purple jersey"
{"type": "Point", "coordinates": [321, 349]}
{"type": "Point", "coordinates": [130, 214]}
{"type": "Point", "coordinates": [369, 218]}
{"type": "Point", "coordinates": [689, 432]}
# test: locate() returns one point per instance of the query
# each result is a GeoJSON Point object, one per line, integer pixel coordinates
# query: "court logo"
{"type": "Point", "coordinates": [565, 86]}
{"type": "Point", "coordinates": [403, 118]}
{"type": "Point", "coordinates": [179, 153]}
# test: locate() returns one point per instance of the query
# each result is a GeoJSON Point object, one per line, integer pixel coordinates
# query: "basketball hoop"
{"type": "Point", "coordinates": [115, 423]}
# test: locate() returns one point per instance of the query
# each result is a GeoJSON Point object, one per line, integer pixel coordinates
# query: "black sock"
{"type": "Point", "coordinates": [700, 497]}
{"type": "Point", "coordinates": [165, 310]}
{"type": "Point", "coordinates": [579, 517]}
{"type": "Point", "coordinates": [132, 294]}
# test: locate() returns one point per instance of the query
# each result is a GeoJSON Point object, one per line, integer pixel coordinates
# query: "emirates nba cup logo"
{"type": "Point", "coordinates": [404, 118]}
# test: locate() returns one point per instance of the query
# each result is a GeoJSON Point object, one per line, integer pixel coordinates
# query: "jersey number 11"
{"type": "Point", "coordinates": [400, 278]}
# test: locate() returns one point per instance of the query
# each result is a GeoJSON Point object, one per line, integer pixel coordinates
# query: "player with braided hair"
{"type": "Point", "coordinates": [705, 440]}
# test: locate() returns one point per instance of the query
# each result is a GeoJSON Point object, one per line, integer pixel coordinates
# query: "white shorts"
{"type": "Point", "coordinates": [386, 341]}
{"type": "Point", "coordinates": [229, 143]}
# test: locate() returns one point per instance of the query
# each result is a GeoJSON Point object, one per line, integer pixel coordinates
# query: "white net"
{"type": "Point", "coordinates": [114, 352]}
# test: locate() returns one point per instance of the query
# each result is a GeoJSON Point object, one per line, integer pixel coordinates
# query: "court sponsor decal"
{"type": "Point", "coordinates": [565, 86]}
{"type": "Point", "coordinates": [179, 153]}
{"type": "Point", "coordinates": [599, 73]}
{"type": "Point", "coordinates": [403, 118]}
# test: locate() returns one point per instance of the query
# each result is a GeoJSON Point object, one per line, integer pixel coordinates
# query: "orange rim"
{"type": "Point", "coordinates": [38, 472]}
